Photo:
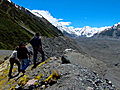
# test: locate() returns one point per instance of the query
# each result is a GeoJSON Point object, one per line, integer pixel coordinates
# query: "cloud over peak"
{"type": "Point", "coordinates": [50, 18]}
{"type": "Point", "coordinates": [65, 26]}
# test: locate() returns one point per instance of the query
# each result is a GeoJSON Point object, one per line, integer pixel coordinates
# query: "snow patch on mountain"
{"type": "Point", "coordinates": [9, 1]}
{"type": "Point", "coordinates": [56, 22]}
{"type": "Point", "coordinates": [86, 31]}
{"type": "Point", "coordinates": [116, 24]}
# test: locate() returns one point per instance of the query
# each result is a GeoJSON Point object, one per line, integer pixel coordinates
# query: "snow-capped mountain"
{"type": "Point", "coordinates": [86, 31]}
{"type": "Point", "coordinates": [112, 32]}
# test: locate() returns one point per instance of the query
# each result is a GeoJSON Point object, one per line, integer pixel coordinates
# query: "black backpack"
{"type": "Point", "coordinates": [36, 42]}
{"type": "Point", "coordinates": [22, 53]}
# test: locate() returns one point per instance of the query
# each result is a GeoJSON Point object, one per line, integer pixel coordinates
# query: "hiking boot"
{"type": "Point", "coordinates": [34, 67]}
{"type": "Point", "coordinates": [42, 60]}
{"type": "Point", "coordinates": [23, 71]}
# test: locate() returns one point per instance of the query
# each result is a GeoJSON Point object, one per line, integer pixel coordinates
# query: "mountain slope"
{"type": "Point", "coordinates": [112, 32]}
{"type": "Point", "coordinates": [14, 20]}
{"type": "Point", "coordinates": [54, 74]}
{"type": "Point", "coordinates": [10, 32]}
{"type": "Point", "coordinates": [107, 51]}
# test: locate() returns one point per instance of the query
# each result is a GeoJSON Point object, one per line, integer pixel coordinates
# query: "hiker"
{"type": "Point", "coordinates": [24, 56]}
{"type": "Point", "coordinates": [13, 59]}
{"type": "Point", "coordinates": [37, 47]}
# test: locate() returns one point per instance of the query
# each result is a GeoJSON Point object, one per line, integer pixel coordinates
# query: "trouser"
{"type": "Point", "coordinates": [36, 50]}
{"type": "Point", "coordinates": [12, 61]}
{"type": "Point", "coordinates": [24, 64]}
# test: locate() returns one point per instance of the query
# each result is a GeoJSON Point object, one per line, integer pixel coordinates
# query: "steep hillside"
{"type": "Point", "coordinates": [10, 32]}
{"type": "Point", "coordinates": [18, 24]}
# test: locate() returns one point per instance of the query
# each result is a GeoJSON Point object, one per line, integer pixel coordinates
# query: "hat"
{"type": "Point", "coordinates": [37, 34]}
{"type": "Point", "coordinates": [22, 44]}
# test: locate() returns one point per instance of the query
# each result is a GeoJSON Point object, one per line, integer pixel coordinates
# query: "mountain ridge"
{"type": "Point", "coordinates": [112, 32]}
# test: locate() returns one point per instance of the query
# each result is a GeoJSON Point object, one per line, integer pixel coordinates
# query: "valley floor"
{"type": "Point", "coordinates": [106, 51]}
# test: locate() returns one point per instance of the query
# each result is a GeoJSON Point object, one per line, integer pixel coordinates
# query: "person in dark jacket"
{"type": "Point", "coordinates": [37, 47]}
{"type": "Point", "coordinates": [23, 55]}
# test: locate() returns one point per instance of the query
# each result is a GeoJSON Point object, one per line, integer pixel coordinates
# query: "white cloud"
{"type": "Point", "coordinates": [65, 23]}
{"type": "Point", "coordinates": [50, 18]}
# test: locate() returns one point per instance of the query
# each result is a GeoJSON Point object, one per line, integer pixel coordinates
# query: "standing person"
{"type": "Point", "coordinates": [24, 56]}
{"type": "Point", "coordinates": [37, 47]}
{"type": "Point", "coordinates": [13, 59]}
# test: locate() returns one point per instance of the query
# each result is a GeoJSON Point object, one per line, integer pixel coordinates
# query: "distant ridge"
{"type": "Point", "coordinates": [112, 32]}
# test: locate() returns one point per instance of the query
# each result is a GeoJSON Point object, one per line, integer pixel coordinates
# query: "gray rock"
{"type": "Point", "coordinates": [64, 60]}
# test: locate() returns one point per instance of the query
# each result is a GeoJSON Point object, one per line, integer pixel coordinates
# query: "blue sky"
{"type": "Point", "coordinates": [94, 13]}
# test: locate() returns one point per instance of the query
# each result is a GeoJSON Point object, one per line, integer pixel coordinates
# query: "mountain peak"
{"type": "Point", "coordinates": [87, 27]}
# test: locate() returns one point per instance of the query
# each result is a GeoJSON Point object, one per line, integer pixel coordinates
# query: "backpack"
{"type": "Point", "coordinates": [36, 42]}
{"type": "Point", "coordinates": [22, 52]}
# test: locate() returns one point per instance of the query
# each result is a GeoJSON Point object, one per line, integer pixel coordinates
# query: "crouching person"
{"type": "Point", "coordinates": [24, 56]}
{"type": "Point", "coordinates": [13, 59]}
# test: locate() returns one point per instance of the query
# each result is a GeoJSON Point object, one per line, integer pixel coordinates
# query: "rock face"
{"type": "Point", "coordinates": [56, 46]}
{"type": "Point", "coordinates": [86, 61]}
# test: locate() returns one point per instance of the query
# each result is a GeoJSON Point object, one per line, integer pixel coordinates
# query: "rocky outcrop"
{"type": "Point", "coordinates": [86, 61]}
{"type": "Point", "coordinates": [75, 77]}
